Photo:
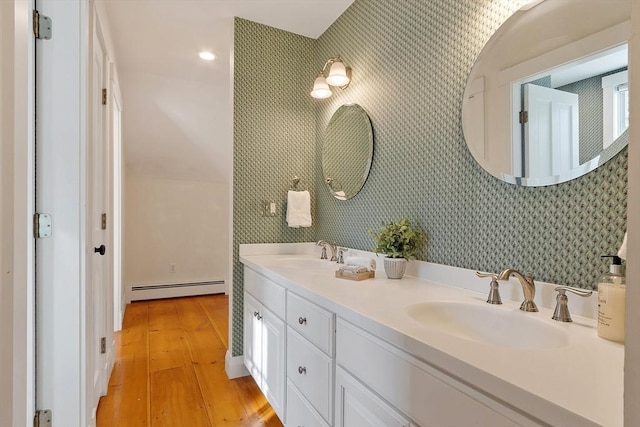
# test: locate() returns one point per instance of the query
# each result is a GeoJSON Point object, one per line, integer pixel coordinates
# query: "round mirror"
{"type": "Point", "coordinates": [547, 99]}
{"type": "Point", "coordinates": [347, 151]}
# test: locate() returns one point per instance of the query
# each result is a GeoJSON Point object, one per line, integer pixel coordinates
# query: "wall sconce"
{"type": "Point", "coordinates": [339, 75]}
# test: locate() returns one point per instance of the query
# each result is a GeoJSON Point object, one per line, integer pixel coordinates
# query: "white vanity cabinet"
{"type": "Point", "coordinates": [310, 362]}
{"type": "Point", "coordinates": [265, 337]}
{"type": "Point", "coordinates": [420, 392]}
{"type": "Point", "coordinates": [357, 406]}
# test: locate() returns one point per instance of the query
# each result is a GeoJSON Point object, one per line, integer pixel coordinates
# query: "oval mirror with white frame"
{"type": "Point", "coordinates": [547, 98]}
{"type": "Point", "coordinates": [347, 151]}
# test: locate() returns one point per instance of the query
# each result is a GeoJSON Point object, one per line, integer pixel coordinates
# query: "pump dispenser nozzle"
{"type": "Point", "coordinates": [616, 266]}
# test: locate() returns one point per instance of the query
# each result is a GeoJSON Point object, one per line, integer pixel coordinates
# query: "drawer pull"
{"type": "Point", "coordinates": [302, 320]}
{"type": "Point", "coordinates": [302, 370]}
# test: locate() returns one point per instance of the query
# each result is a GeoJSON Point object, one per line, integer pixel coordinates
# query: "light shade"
{"type": "Point", "coordinates": [338, 74]}
{"type": "Point", "coordinates": [320, 88]}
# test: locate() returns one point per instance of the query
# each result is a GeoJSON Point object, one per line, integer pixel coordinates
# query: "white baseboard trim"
{"type": "Point", "coordinates": [234, 366]}
{"type": "Point", "coordinates": [147, 292]}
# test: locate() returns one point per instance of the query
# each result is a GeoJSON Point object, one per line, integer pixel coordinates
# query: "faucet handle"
{"type": "Point", "coordinates": [494, 293]}
{"type": "Point", "coordinates": [323, 255]}
{"type": "Point", "coordinates": [561, 313]}
{"type": "Point", "coordinates": [492, 275]}
{"type": "Point", "coordinates": [341, 252]}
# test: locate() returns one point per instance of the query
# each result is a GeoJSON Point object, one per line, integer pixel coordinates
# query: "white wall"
{"type": "Point", "coordinates": [170, 221]}
{"type": "Point", "coordinates": [16, 195]}
{"type": "Point", "coordinates": [6, 220]}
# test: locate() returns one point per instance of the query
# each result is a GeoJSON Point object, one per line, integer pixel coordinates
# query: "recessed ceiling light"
{"type": "Point", "coordinates": [207, 56]}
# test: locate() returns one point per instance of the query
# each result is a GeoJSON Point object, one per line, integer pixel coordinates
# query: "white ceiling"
{"type": "Point", "coordinates": [177, 119]}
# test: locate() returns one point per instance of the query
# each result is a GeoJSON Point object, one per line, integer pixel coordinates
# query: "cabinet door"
{"type": "Point", "coordinates": [253, 338]}
{"type": "Point", "coordinates": [273, 361]}
{"type": "Point", "coordinates": [357, 406]}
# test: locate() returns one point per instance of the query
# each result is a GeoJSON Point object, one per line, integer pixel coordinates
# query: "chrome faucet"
{"type": "Point", "coordinates": [331, 247]}
{"type": "Point", "coordinates": [528, 288]}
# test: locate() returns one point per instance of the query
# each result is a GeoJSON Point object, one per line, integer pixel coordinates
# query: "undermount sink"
{"type": "Point", "coordinates": [307, 263]}
{"type": "Point", "coordinates": [488, 324]}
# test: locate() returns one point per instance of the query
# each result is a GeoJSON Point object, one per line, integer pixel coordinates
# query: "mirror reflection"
{"type": "Point", "coordinates": [547, 99]}
{"type": "Point", "coordinates": [347, 151]}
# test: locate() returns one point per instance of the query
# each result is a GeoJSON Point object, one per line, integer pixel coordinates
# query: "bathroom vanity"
{"type": "Point", "coordinates": [422, 351]}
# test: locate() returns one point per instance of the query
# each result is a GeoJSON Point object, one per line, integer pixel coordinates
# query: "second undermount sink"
{"type": "Point", "coordinates": [488, 324]}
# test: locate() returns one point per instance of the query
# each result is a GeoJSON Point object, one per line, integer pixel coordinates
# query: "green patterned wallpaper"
{"type": "Point", "coordinates": [273, 139]}
{"type": "Point", "coordinates": [410, 62]}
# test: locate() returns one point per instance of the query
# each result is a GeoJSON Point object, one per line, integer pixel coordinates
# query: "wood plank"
{"type": "Point", "coordinates": [162, 315]}
{"type": "Point", "coordinates": [256, 404]}
{"type": "Point", "coordinates": [216, 308]}
{"type": "Point", "coordinates": [176, 399]}
{"type": "Point", "coordinates": [168, 349]}
{"type": "Point", "coordinates": [220, 396]}
{"type": "Point", "coordinates": [191, 314]}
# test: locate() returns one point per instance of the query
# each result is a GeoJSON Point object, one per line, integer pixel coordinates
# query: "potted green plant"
{"type": "Point", "coordinates": [400, 242]}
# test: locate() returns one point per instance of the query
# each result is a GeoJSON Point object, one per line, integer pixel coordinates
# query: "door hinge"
{"type": "Point", "coordinates": [103, 345]}
{"type": "Point", "coordinates": [524, 117]}
{"type": "Point", "coordinates": [42, 25]}
{"type": "Point", "coordinates": [104, 221]}
{"type": "Point", "coordinates": [41, 225]}
{"type": "Point", "coordinates": [104, 96]}
{"type": "Point", "coordinates": [42, 418]}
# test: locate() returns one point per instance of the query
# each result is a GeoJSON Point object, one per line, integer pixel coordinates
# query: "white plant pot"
{"type": "Point", "coordinates": [395, 267]}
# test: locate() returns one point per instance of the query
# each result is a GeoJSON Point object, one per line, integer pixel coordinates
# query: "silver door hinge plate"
{"type": "Point", "coordinates": [103, 221]}
{"type": "Point", "coordinates": [524, 117]}
{"type": "Point", "coordinates": [41, 225]}
{"type": "Point", "coordinates": [42, 418]}
{"type": "Point", "coordinates": [41, 26]}
{"type": "Point", "coordinates": [103, 345]}
{"type": "Point", "coordinates": [104, 97]}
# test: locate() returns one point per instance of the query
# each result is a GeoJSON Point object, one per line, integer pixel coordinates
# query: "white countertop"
{"type": "Point", "coordinates": [578, 384]}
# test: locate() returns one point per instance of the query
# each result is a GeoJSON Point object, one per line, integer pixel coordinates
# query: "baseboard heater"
{"type": "Point", "coordinates": [172, 290]}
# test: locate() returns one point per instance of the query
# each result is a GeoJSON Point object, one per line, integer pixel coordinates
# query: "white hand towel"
{"type": "Point", "coordinates": [353, 269]}
{"type": "Point", "coordinates": [622, 253]}
{"type": "Point", "coordinates": [361, 261]}
{"type": "Point", "coordinates": [298, 209]}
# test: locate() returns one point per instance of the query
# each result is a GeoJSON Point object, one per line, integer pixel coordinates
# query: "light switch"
{"type": "Point", "coordinates": [272, 208]}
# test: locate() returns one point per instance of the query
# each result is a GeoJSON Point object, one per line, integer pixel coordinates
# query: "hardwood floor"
{"type": "Point", "coordinates": [169, 370]}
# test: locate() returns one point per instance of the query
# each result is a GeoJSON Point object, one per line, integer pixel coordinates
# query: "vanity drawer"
{"type": "Point", "coordinates": [311, 371]}
{"type": "Point", "coordinates": [299, 411]}
{"type": "Point", "coordinates": [418, 390]}
{"type": "Point", "coordinates": [313, 322]}
{"type": "Point", "coordinates": [270, 294]}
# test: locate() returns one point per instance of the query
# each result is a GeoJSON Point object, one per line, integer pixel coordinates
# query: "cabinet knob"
{"type": "Point", "coordinates": [259, 316]}
{"type": "Point", "coordinates": [256, 314]}
{"type": "Point", "coordinates": [302, 370]}
{"type": "Point", "coordinates": [302, 320]}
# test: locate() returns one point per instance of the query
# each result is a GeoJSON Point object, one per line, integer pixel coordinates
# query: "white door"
{"type": "Point", "coordinates": [551, 132]}
{"type": "Point", "coordinates": [97, 296]}
{"type": "Point", "coordinates": [252, 338]}
{"type": "Point", "coordinates": [273, 358]}
{"type": "Point", "coordinates": [61, 278]}
{"type": "Point", "coordinates": [357, 406]}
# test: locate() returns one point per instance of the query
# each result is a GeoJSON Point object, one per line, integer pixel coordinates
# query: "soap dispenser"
{"type": "Point", "coordinates": [611, 301]}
